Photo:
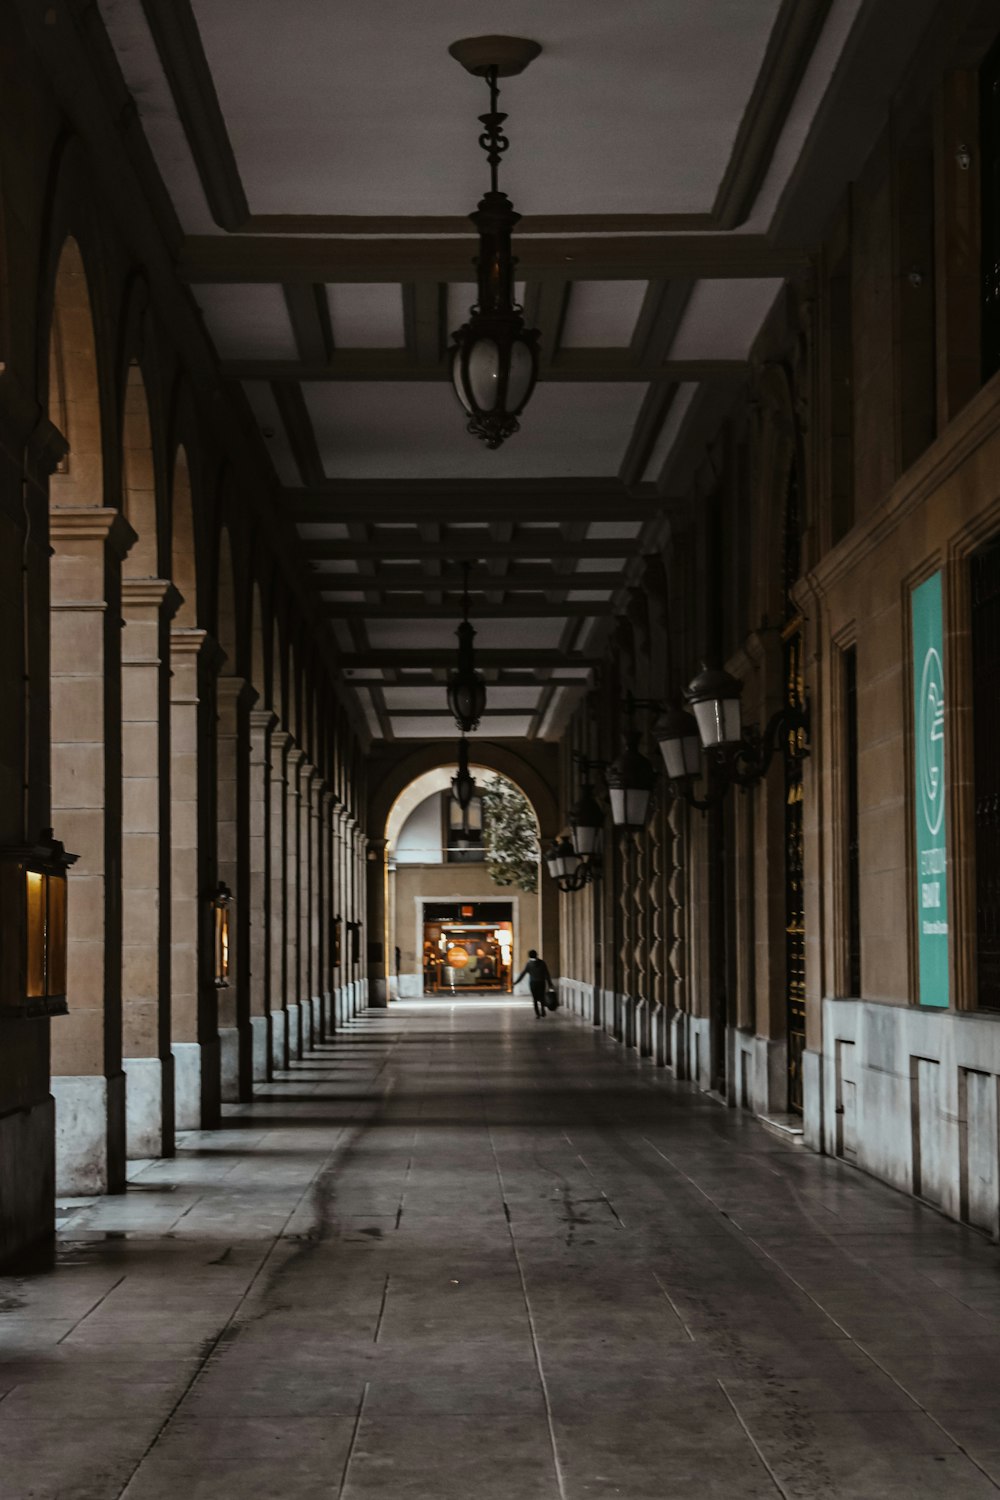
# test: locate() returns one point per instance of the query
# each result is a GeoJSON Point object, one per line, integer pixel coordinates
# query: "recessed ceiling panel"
{"type": "Point", "coordinates": [493, 634]}
{"type": "Point", "coordinates": [358, 109]}
{"type": "Point", "coordinates": [366, 315]}
{"type": "Point", "coordinates": [603, 531]}
{"type": "Point", "coordinates": [416, 429]}
{"type": "Point", "coordinates": [433, 695]}
{"type": "Point", "coordinates": [248, 321]}
{"type": "Point", "coordinates": [723, 318]}
{"type": "Point", "coordinates": [323, 531]}
{"type": "Point", "coordinates": [442, 727]}
{"type": "Point", "coordinates": [602, 314]}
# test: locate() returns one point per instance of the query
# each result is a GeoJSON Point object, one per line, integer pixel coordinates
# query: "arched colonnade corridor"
{"type": "Point", "coordinates": [299, 1194]}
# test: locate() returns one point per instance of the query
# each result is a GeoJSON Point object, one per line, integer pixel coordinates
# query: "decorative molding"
{"type": "Point", "coordinates": [178, 41]}
{"type": "Point", "coordinates": [568, 366]}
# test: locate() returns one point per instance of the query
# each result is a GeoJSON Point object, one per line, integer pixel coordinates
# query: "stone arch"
{"type": "Point", "coordinates": [139, 495]}
{"type": "Point", "coordinates": [183, 554]}
{"type": "Point", "coordinates": [486, 754]}
{"type": "Point", "coordinates": [74, 387]}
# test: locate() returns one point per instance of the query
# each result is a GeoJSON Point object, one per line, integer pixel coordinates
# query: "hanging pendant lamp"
{"type": "Point", "coordinates": [494, 361]}
{"type": "Point", "coordinates": [466, 689]}
{"type": "Point", "coordinates": [463, 783]}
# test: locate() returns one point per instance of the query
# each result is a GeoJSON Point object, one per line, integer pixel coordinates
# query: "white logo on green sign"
{"type": "Point", "coordinates": [930, 737]}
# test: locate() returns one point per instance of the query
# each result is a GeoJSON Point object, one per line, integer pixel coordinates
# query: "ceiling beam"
{"type": "Point", "coordinates": [415, 582]}
{"type": "Point", "coordinates": [178, 42]}
{"type": "Point", "coordinates": [301, 437]}
{"type": "Point", "coordinates": [283, 258]}
{"type": "Point", "coordinates": [481, 549]}
{"type": "Point", "coordinates": [520, 608]}
{"type": "Point", "coordinates": [501, 657]}
{"type": "Point", "coordinates": [309, 314]}
{"type": "Point", "coordinates": [470, 500]}
{"type": "Point", "coordinates": [569, 365]}
{"type": "Point", "coordinates": [423, 324]}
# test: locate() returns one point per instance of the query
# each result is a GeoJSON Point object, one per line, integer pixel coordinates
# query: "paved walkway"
{"type": "Point", "coordinates": [463, 1253]}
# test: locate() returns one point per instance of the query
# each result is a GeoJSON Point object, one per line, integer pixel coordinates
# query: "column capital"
{"type": "Point", "coordinates": [280, 738]}
{"type": "Point", "coordinates": [236, 690]}
{"type": "Point", "coordinates": [295, 756]}
{"type": "Point", "coordinates": [263, 720]}
{"type": "Point", "coordinates": [85, 523]}
{"type": "Point", "coordinates": [187, 640]}
{"type": "Point", "coordinates": [151, 593]}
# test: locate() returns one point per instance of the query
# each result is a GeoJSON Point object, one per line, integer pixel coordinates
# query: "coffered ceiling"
{"type": "Point", "coordinates": [322, 156]}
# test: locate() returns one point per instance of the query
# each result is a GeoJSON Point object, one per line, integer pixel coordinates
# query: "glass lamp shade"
{"type": "Point", "coordinates": [494, 366]}
{"type": "Point", "coordinates": [714, 695]}
{"type": "Point", "coordinates": [222, 900]}
{"type": "Point", "coordinates": [570, 858]}
{"type": "Point", "coordinates": [680, 743]}
{"type": "Point", "coordinates": [630, 779]}
{"type": "Point", "coordinates": [587, 822]}
{"type": "Point", "coordinates": [554, 861]}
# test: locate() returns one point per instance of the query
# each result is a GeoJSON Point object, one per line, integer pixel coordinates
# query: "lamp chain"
{"type": "Point", "coordinates": [493, 140]}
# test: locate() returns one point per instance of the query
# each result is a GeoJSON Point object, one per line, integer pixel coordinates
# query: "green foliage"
{"type": "Point", "coordinates": [509, 836]}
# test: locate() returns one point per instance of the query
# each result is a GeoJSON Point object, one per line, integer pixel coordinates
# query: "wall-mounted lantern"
{"type": "Point", "coordinates": [736, 755]}
{"type": "Point", "coordinates": [221, 904]}
{"type": "Point", "coordinates": [33, 899]}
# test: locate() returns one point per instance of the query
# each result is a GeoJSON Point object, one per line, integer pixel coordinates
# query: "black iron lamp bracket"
{"type": "Point", "coordinates": [787, 729]}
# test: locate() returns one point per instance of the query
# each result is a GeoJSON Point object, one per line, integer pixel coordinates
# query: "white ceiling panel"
{"type": "Point", "coordinates": [368, 708]}
{"type": "Point", "coordinates": [599, 564]}
{"type": "Point", "coordinates": [358, 109]}
{"type": "Point", "coordinates": [248, 321]}
{"type": "Point", "coordinates": [442, 727]}
{"type": "Point", "coordinates": [323, 531]}
{"type": "Point", "coordinates": [432, 696]}
{"type": "Point", "coordinates": [602, 314]}
{"type": "Point", "coordinates": [603, 531]}
{"type": "Point", "coordinates": [494, 634]}
{"type": "Point", "coordinates": [588, 596]}
{"type": "Point", "coordinates": [268, 419]}
{"type": "Point", "coordinates": [406, 430]}
{"type": "Point", "coordinates": [723, 318]}
{"type": "Point", "coordinates": [366, 315]}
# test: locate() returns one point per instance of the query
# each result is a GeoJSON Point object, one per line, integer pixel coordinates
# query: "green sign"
{"type": "Point", "coordinates": [930, 792]}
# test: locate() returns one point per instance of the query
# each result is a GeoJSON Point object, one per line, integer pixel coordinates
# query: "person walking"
{"type": "Point", "coordinates": [539, 980]}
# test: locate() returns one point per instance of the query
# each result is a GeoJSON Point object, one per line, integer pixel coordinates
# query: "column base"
{"type": "Point", "coordinates": [27, 1178]}
{"type": "Point", "coordinates": [812, 1099]}
{"type": "Point", "coordinates": [90, 1134]}
{"type": "Point", "coordinates": [260, 1030]}
{"type": "Point", "coordinates": [279, 1029]}
{"type": "Point", "coordinates": [294, 1032]}
{"type": "Point", "coordinates": [187, 1085]}
{"type": "Point", "coordinates": [229, 1064]}
{"type": "Point", "coordinates": [306, 1025]}
{"type": "Point", "coordinates": [149, 1106]}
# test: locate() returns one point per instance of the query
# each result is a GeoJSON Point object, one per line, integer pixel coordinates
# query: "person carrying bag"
{"type": "Point", "coordinates": [543, 991]}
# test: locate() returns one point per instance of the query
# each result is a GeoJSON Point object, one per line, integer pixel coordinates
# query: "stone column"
{"type": "Point", "coordinates": [376, 956]}
{"type": "Point", "coordinates": [293, 874]}
{"type": "Point", "coordinates": [549, 898]}
{"type": "Point", "coordinates": [677, 941]}
{"type": "Point", "coordinates": [277, 838]}
{"type": "Point", "coordinates": [262, 722]}
{"type": "Point", "coordinates": [194, 663]}
{"type": "Point", "coordinates": [89, 1083]}
{"type": "Point", "coordinates": [235, 698]}
{"type": "Point", "coordinates": [316, 905]}
{"type": "Point", "coordinates": [343, 909]}
{"type": "Point", "coordinates": [307, 775]}
{"type": "Point", "coordinates": [148, 605]}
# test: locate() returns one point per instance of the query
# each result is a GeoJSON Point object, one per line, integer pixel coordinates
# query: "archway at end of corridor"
{"type": "Point", "coordinates": [438, 922]}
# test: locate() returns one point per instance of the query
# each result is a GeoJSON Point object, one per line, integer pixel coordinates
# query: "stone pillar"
{"type": "Point", "coordinates": [324, 909]}
{"type": "Point", "coordinates": [293, 874]}
{"type": "Point", "coordinates": [377, 965]}
{"type": "Point", "coordinates": [316, 904]}
{"type": "Point", "coordinates": [277, 837]}
{"type": "Point", "coordinates": [262, 722]}
{"type": "Point", "coordinates": [148, 605]}
{"type": "Point", "coordinates": [549, 898]}
{"type": "Point", "coordinates": [307, 775]}
{"type": "Point", "coordinates": [194, 663]}
{"type": "Point", "coordinates": [343, 909]}
{"type": "Point", "coordinates": [89, 1083]}
{"type": "Point", "coordinates": [677, 941]}
{"type": "Point", "coordinates": [235, 698]}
